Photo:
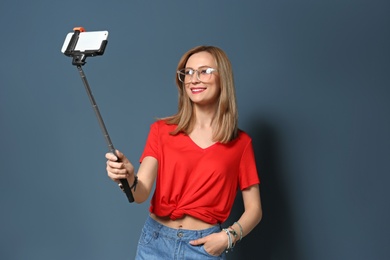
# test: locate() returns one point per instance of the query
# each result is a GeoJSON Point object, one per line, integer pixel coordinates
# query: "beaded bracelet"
{"type": "Point", "coordinates": [238, 224]}
{"type": "Point", "coordinates": [233, 232]}
{"type": "Point", "coordinates": [134, 183]}
{"type": "Point", "coordinates": [230, 244]}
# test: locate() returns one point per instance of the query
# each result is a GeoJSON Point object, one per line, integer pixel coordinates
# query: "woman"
{"type": "Point", "coordinates": [199, 159]}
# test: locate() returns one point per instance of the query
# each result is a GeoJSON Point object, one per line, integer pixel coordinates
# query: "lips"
{"type": "Point", "coordinates": [197, 90]}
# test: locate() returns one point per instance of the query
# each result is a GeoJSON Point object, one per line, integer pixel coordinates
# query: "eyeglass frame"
{"type": "Point", "coordinates": [179, 72]}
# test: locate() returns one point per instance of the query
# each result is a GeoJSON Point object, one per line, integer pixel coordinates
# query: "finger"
{"type": "Point", "coordinates": [117, 173]}
{"type": "Point", "coordinates": [116, 168]}
{"type": "Point", "coordinates": [111, 157]}
{"type": "Point", "coordinates": [115, 165]}
{"type": "Point", "coordinates": [198, 242]}
{"type": "Point", "coordinates": [116, 177]}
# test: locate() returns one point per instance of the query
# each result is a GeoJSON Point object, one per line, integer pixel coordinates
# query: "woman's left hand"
{"type": "Point", "coordinates": [214, 244]}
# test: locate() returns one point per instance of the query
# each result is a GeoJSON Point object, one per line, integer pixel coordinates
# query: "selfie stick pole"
{"type": "Point", "coordinates": [79, 60]}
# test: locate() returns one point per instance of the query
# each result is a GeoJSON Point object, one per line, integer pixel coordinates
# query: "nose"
{"type": "Point", "coordinates": [195, 77]}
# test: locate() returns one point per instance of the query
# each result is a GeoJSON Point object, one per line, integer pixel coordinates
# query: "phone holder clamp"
{"type": "Point", "coordinates": [80, 56]}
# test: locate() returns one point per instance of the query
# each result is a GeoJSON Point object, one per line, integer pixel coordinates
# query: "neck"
{"type": "Point", "coordinates": [204, 116]}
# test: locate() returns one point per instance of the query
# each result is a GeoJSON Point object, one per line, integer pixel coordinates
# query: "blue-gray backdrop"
{"type": "Point", "coordinates": [313, 91]}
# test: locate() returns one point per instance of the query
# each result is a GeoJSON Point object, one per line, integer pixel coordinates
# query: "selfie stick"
{"type": "Point", "coordinates": [79, 60]}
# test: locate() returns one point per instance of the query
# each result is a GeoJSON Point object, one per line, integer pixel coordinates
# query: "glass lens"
{"type": "Point", "coordinates": [181, 74]}
{"type": "Point", "coordinates": [185, 75]}
{"type": "Point", "coordinates": [203, 74]}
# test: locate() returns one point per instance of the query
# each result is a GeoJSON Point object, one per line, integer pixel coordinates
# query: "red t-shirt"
{"type": "Point", "coordinates": [198, 182]}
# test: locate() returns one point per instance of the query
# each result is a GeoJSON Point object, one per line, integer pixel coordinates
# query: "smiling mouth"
{"type": "Point", "coordinates": [197, 90]}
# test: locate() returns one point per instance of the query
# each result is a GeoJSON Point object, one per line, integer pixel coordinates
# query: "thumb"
{"type": "Point", "coordinates": [120, 155]}
{"type": "Point", "coordinates": [198, 242]}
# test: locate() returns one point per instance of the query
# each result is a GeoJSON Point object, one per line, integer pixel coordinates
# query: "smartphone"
{"type": "Point", "coordinates": [91, 43]}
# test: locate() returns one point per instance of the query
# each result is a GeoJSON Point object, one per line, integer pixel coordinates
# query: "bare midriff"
{"type": "Point", "coordinates": [187, 222]}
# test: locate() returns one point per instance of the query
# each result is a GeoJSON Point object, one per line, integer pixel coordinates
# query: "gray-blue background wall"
{"type": "Point", "coordinates": [312, 82]}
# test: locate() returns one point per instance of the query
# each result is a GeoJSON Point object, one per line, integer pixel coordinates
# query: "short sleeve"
{"type": "Point", "coordinates": [248, 171]}
{"type": "Point", "coordinates": [152, 143]}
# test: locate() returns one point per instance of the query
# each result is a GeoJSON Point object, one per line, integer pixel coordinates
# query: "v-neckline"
{"type": "Point", "coordinates": [202, 148]}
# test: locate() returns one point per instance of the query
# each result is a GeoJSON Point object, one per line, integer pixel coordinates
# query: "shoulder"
{"type": "Point", "coordinates": [161, 125]}
{"type": "Point", "coordinates": [243, 136]}
{"type": "Point", "coordinates": [242, 140]}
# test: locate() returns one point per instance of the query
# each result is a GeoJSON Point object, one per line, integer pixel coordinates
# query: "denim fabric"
{"type": "Point", "coordinates": [158, 242]}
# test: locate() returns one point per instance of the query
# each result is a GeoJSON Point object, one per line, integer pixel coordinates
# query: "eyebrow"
{"type": "Point", "coordinates": [208, 66]}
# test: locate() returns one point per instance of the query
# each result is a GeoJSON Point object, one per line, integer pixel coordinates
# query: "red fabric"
{"type": "Point", "coordinates": [198, 182]}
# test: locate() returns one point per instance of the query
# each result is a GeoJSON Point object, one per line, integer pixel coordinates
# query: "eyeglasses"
{"type": "Point", "coordinates": [203, 74]}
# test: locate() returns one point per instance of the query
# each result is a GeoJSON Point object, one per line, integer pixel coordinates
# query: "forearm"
{"type": "Point", "coordinates": [247, 222]}
{"type": "Point", "coordinates": [146, 175]}
{"type": "Point", "coordinates": [140, 192]}
{"type": "Point", "coordinates": [252, 214]}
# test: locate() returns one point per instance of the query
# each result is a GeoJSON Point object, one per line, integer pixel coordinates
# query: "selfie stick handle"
{"type": "Point", "coordinates": [124, 184]}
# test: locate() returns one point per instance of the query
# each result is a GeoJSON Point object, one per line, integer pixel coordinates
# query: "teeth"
{"type": "Point", "coordinates": [197, 89]}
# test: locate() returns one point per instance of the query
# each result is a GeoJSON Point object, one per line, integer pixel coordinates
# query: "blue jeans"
{"type": "Point", "coordinates": [159, 242]}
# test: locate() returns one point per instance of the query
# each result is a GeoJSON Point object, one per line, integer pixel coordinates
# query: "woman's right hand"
{"type": "Point", "coordinates": [122, 169]}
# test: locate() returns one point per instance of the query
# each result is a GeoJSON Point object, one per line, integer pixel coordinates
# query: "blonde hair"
{"type": "Point", "coordinates": [226, 119]}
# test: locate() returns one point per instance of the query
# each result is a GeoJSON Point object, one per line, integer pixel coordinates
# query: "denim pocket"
{"type": "Point", "coordinates": [210, 255]}
{"type": "Point", "coordinates": [147, 236]}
